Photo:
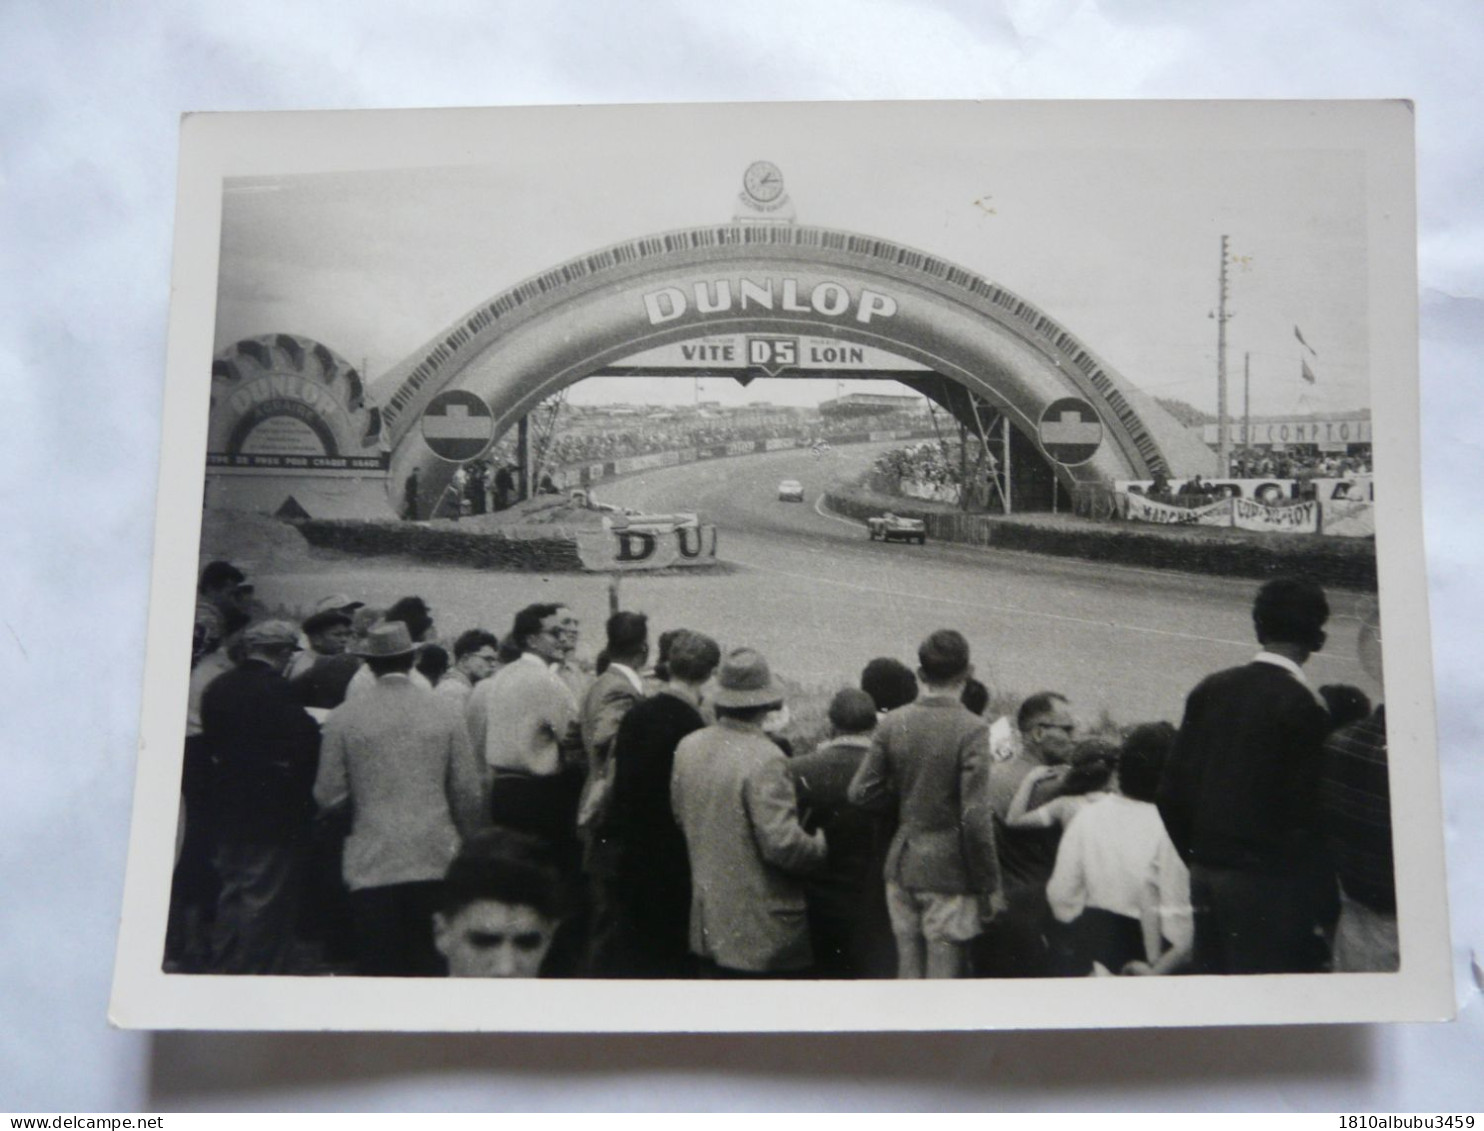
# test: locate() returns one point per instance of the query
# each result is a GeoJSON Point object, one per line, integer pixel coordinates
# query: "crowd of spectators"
{"type": "Point", "coordinates": [492, 483]}
{"type": "Point", "coordinates": [596, 440]}
{"type": "Point", "coordinates": [359, 798]}
{"type": "Point", "coordinates": [1300, 469]}
{"type": "Point", "coordinates": [1252, 463]}
{"type": "Point", "coordinates": [933, 463]}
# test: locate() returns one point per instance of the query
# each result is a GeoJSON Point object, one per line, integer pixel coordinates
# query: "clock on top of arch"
{"type": "Point", "coordinates": [763, 182]}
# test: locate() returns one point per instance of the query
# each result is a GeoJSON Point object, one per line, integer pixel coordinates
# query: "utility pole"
{"type": "Point", "coordinates": [1223, 441]}
{"type": "Point", "coordinates": [1247, 400]}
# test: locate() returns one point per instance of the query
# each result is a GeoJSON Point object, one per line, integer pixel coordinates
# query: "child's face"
{"type": "Point", "coordinates": [489, 939]}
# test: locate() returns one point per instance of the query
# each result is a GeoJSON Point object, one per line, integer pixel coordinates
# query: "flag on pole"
{"type": "Point", "coordinates": [1299, 335]}
{"type": "Point", "coordinates": [1304, 371]}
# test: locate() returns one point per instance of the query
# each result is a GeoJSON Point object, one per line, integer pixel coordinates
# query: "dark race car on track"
{"type": "Point", "coordinates": [891, 527]}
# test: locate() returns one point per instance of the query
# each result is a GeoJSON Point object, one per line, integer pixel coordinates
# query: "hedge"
{"type": "Point", "coordinates": [1344, 563]}
{"type": "Point", "coordinates": [546, 550]}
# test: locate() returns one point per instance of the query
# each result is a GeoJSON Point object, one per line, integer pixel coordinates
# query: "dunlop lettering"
{"type": "Point", "coordinates": [830, 299]}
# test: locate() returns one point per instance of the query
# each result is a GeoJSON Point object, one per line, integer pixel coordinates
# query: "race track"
{"type": "Point", "coordinates": [820, 599]}
{"type": "Point", "coordinates": [811, 586]}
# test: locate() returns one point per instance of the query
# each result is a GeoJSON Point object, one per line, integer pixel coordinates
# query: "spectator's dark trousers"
{"type": "Point", "coordinates": [393, 929]}
{"type": "Point", "coordinates": [1252, 923]}
{"type": "Point", "coordinates": [258, 907]}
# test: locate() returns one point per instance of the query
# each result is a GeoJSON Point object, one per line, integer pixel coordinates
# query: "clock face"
{"type": "Point", "coordinates": [763, 182]}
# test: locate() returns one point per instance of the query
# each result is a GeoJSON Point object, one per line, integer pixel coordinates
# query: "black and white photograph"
{"type": "Point", "coordinates": [841, 548]}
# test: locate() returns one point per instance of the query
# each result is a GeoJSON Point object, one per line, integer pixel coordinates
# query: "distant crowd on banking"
{"type": "Point", "coordinates": [587, 441]}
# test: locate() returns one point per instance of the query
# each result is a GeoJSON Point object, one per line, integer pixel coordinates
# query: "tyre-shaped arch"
{"type": "Point", "coordinates": [557, 328]}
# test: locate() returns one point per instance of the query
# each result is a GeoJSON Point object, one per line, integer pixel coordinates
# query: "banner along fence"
{"type": "Point", "coordinates": [1344, 562]}
{"type": "Point", "coordinates": [1344, 518]}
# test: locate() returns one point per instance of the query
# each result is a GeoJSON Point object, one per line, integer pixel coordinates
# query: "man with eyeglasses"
{"type": "Point", "coordinates": [524, 724]}
{"type": "Point", "coordinates": [476, 657]}
{"type": "Point", "coordinates": [1014, 945]}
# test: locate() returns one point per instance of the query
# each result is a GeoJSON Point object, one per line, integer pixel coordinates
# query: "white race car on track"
{"type": "Point", "coordinates": [790, 491]}
{"type": "Point", "coordinates": [889, 527]}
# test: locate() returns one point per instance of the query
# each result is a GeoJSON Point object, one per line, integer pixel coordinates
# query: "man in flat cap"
{"type": "Point", "coordinates": [322, 681]}
{"type": "Point", "coordinates": [323, 632]}
{"type": "Point", "coordinates": [264, 749]}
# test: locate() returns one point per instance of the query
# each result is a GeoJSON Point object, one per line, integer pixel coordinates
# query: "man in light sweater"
{"type": "Point", "coordinates": [524, 726]}
{"type": "Point", "coordinates": [401, 758]}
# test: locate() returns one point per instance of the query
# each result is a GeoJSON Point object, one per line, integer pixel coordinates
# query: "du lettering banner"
{"type": "Point", "coordinates": [647, 545]}
{"type": "Point", "coordinates": [1141, 509]}
{"type": "Point", "coordinates": [1297, 518]}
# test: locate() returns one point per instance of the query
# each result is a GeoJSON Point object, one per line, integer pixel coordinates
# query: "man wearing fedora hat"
{"type": "Point", "coordinates": [415, 614]}
{"type": "Point", "coordinates": [734, 801]}
{"type": "Point", "coordinates": [401, 758]}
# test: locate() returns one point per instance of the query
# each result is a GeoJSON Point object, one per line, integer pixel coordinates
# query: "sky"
{"type": "Point", "coordinates": [1114, 231]}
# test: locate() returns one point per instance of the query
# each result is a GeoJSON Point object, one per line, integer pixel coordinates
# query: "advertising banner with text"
{"type": "Point", "coordinates": [1141, 509]}
{"type": "Point", "coordinates": [644, 546]}
{"type": "Point", "coordinates": [1299, 518]}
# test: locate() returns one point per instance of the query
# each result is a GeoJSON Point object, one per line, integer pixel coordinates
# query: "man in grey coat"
{"type": "Point", "coordinates": [735, 803]}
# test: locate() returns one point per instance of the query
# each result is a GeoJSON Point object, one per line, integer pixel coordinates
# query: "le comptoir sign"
{"type": "Point", "coordinates": [1293, 432]}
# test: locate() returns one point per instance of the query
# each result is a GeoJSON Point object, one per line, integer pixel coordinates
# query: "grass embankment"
{"type": "Point", "coordinates": [544, 550]}
{"type": "Point", "coordinates": [538, 535]}
{"type": "Point", "coordinates": [1344, 563]}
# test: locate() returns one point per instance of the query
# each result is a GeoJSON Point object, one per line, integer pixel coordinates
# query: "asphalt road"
{"type": "Point", "coordinates": [812, 586]}
{"type": "Point", "coordinates": [820, 599]}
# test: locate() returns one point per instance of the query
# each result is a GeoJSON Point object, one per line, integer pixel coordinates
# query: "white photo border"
{"type": "Point", "coordinates": [219, 146]}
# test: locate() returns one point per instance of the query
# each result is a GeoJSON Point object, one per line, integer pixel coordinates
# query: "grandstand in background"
{"type": "Point", "coordinates": [871, 404]}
